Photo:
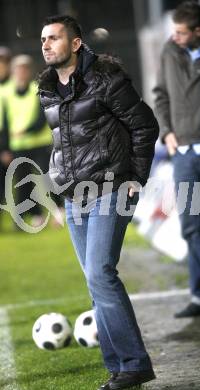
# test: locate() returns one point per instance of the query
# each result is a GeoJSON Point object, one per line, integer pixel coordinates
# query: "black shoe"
{"type": "Point", "coordinates": [105, 386]}
{"type": "Point", "coordinates": [127, 379]}
{"type": "Point", "coordinates": [192, 310]}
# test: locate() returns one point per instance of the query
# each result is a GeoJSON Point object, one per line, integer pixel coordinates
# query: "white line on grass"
{"type": "Point", "coordinates": [7, 362]}
{"type": "Point", "coordinates": [44, 302]}
{"type": "Point", "coordinates": [133, 297]}
{"type": "Point", "coordinates": [159, 294]}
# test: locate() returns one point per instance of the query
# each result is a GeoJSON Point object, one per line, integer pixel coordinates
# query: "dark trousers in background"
{"type": "Point", "coordinates": [187, 169]}
{"type": "Point", "coordinates": [3, 171]}
{"type": "Point", "coordinates": [41, 157]}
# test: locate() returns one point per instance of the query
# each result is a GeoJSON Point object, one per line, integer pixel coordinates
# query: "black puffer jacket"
{"type": "Point", "coordinates": [102, 126]}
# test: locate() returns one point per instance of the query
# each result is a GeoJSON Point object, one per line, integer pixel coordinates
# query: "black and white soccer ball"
{"type": "Point", "coordinates": [85, 330]}
{"type": "Point", "coordinates": [52, 331]}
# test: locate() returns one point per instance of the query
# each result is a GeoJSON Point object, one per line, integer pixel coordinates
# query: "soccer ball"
{"type": "Point", "coordinates": [85, 330]}
{"type": "Point", "coordinates": [52, 331]}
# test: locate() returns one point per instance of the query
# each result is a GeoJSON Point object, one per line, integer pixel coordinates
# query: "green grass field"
{"type": "Point", "coordinates": [40, 274]}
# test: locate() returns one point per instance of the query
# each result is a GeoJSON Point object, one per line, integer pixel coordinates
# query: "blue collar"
{"type": "Point", "coordinates": [194, 54]}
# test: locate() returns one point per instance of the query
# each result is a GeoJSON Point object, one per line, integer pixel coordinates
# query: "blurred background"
{"type": "Point", "coordinates": [119, 27]}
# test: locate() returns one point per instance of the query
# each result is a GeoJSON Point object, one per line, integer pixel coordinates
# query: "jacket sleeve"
{"type": "Point", "coordinates": [162, 103]}
{"type": "Point", "coordinates": [140, 122]}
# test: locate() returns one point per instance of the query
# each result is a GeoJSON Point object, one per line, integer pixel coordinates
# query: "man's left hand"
{"type": "Point", "coordinates": [133, 187]}
{"type": "Point", "coordinates": [131, 191]}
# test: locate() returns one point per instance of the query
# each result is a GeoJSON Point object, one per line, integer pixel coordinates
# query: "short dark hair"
{"type": "Point", "coordinates": [188, 13]}
{"type": "Point", "coordinates": [72, 26]}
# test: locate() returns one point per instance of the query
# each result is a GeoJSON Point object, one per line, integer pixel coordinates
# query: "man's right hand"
{"type": "Point", "coordinates": [171, 143]}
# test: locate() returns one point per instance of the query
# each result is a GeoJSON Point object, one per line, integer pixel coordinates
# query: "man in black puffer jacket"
{"type": "Point", "coordinates": [104, 137]}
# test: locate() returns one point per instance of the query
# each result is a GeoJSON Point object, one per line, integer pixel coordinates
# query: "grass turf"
{"type": "Point", "coordinates": [43, 269]}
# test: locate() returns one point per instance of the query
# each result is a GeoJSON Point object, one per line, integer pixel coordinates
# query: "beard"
{"type": "Point", "coordinates": [59, 63]}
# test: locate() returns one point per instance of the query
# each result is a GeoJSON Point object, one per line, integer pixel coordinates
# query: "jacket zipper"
{"type": "Point", "coordinates": [62, 142]}
{"type": "Point", "coordinates": [73, 170]}
{"type": "Point", "coordinates": [68, 127]}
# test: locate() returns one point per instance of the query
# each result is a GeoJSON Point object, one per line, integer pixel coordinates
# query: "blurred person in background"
{"type": "Point", "coordinates": [102, 130]}
{"type": "Point", "coordinates": [25, 132]}
{"type": "Point", "coordinates": [178, 109]}
{"type": "Point", "coordinates": [5, 155]}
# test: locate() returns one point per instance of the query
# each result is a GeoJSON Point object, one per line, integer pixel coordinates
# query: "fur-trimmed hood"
{"type": "Point", "coordinates": [87, 60]}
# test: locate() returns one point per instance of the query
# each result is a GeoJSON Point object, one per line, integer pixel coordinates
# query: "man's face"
{"type": "Point", "coordinates": [56, 46]}
{"type": "Point", "coordinates": [184, 37]}
{"type": "Point", "coordinates": [22, 74]}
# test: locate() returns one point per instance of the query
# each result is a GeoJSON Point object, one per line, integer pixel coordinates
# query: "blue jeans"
{"type": "Point", "coordinates": [98, 241]}
{"type": "Point", "coordinates": [187, 169]}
